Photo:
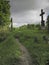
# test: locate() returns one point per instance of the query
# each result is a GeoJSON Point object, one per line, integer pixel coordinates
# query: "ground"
{"type": "Point", "coordinates": [25, 57]}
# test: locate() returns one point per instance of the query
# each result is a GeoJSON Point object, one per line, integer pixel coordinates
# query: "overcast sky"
{"type": "Point", "coordinates": [27, 11]}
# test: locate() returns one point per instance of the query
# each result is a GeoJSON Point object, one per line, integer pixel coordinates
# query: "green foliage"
{"type": "Point", "coordinates": [38, 25]}
{"type": "Point", "coordinates": [38, 51]}
{"type": "Point", "coordinates": [30, 26]}
{"type": "Point", "coordinates": [4, 12]}
{"type": "Point", "coordinates": [3, 36]}
{"type": "Point", "coordinates": [9, 51]}
{"type": "Point", "coordinates": [47, 23]}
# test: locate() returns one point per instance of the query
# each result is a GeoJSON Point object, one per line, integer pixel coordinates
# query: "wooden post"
{"type": "Point", "coordinates": [11, 24]}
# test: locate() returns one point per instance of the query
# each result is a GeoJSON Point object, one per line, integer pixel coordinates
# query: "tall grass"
{"type": "Point", "coordinates": [9, 51]}
{"type": "Point", "coordinates": [39, 51]}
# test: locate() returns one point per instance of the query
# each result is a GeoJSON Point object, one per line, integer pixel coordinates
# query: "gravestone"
{"type": "Point", "coordinates": [42, 20]}
{"type": "Point", "coordinates": [36, 39]}
{"type": "Point", "coordinates": [45, 38]}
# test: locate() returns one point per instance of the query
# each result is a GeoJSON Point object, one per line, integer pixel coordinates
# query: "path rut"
{"type": "Point", "coordinates": [25, 57]}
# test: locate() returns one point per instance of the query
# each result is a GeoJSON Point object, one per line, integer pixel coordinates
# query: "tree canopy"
{"type": "Point", "coordinates": [4, 12]}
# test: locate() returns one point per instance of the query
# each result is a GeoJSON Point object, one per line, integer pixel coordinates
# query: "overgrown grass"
{"type": "Point", "coordinates": [9, 51]}
{"type": "Point", "coordinates": [39, 51]}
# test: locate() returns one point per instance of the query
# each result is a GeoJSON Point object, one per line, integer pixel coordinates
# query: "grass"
{"type": "Point", "coordinates": [9, 48]}
{"type": "Point", "coordinates": [39, 51]}
{"type": "Point", "coordinates": [9, 51]}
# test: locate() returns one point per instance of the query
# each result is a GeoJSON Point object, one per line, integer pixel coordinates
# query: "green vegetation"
{"type": "Point", "coordinates": [48, 23]}
{"type": "Point", "coordinates": [4, 13]}
{"type": "Point", "coordinates": [33, 40]}
{"type": "Point", "coordinates": [31, 36]}
{"type": "Point", "coordinates": [9, 50]}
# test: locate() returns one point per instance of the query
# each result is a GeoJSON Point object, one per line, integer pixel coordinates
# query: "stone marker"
{"type": "Point", "coordinates": [35, 39]}
{"type": "Point", "coordinates": [45, 38]}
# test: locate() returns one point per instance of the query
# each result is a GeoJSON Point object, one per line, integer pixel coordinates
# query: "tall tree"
{"type": "Point", "coordinates": [4, 12]}
{"type": "Point", "coordinates": [47, 23]}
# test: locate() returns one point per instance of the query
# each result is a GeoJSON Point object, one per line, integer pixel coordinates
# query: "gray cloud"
{"type": "Point", "coordinates": [47, 10]}
{"type": "Point", "coordinates": [23, 5]}
{"type": "Point", "coordinates": [27, 11]}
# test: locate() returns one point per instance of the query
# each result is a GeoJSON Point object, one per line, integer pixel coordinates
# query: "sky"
{"type": "Point", "coordinates": [27, 11]}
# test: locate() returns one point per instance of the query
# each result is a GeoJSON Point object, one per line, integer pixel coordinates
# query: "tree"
{"type": "Point", "coordinates": [4, 12]}
{"type": "Point", "coordinates": [47, 23]}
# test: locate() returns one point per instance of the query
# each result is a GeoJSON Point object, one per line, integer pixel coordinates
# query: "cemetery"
{"type": "Point", "coordinates": [26, 45]}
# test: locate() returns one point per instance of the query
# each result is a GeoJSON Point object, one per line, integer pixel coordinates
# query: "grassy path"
{"type": "Point", "coordinates": [25, 57]}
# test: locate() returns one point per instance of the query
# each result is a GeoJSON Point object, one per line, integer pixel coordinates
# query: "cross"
{"type": "Point", "coordinates": [42, 13]}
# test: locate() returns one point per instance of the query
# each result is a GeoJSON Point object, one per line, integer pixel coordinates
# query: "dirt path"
{"type": "Point", "coordinates": [25, 57]}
